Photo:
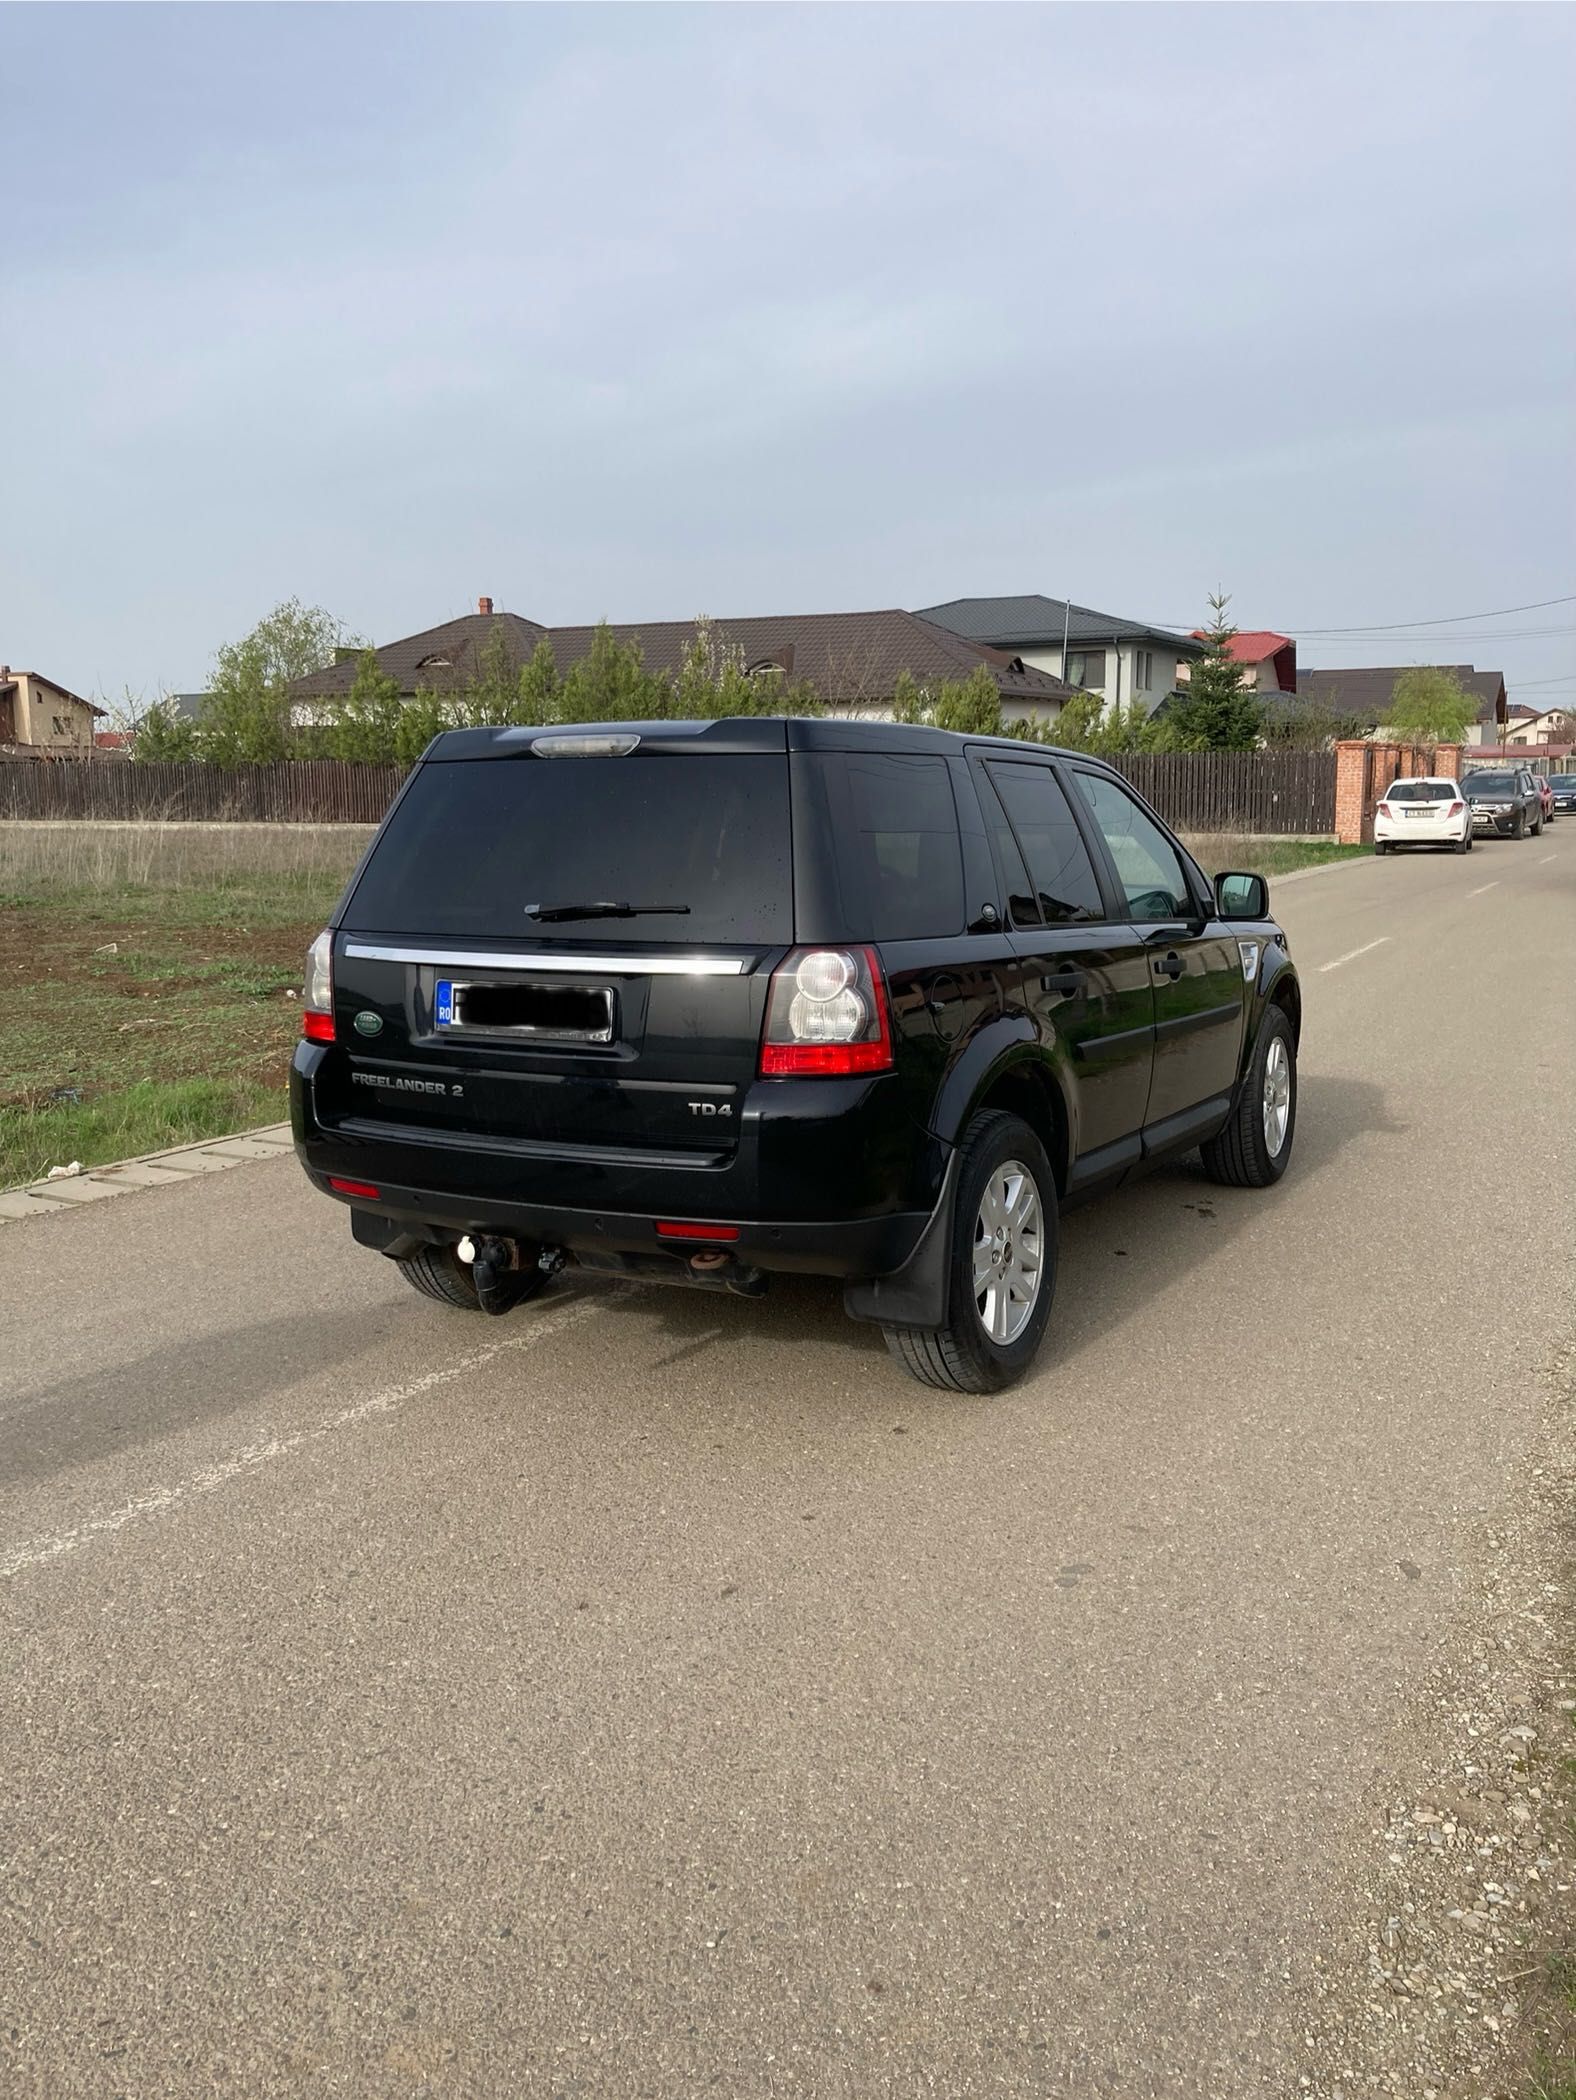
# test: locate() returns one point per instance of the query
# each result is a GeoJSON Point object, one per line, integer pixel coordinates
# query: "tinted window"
{"type": "Point", "coordinates": [877, 847]}
{"type": "Point", "coordinates": [471, 845]}
{"type": "Point", "coordinates": [1562, 780]}
{"type": "Point", "coordinates": [1060, 869]}
{"type": "Point", "coordinates": [1420, 791]}
{"type": "Point", "coordinates": [1147, 864]}
{"type": "Point", "coordinates": [1493, 784]}
{"type": "Point", "coordinates": [1022, 906]}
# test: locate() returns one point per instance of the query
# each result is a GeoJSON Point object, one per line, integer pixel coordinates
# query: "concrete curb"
{"type": "Point", "coordinates": [152, 1170]}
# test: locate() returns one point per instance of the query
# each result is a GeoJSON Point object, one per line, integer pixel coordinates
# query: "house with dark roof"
{"type": "Point", "coordinates": [1130, 662]}
{"type": "Point", "coordinates": [1368, 691]}
{"type": "Point", "coordinates": [853, 660]}
{"type": "Point", "coordinates": [39, 717]}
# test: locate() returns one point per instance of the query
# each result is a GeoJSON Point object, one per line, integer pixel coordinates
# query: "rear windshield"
{"type": "Point", "coordinates": [1421, 791]}
{"type": "Point", "coordinates": [473, 845]}
{"type": "Point", "coordinates": [1493, 784]}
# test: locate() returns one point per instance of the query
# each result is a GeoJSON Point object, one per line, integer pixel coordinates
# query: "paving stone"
{"type": "Point", "coordinates": [138, 1174]}
{"type": "Point", "coordinates": [21, 1203]}
{"type": "Point", "coordinates": [77, 1188]}
{"type": "Point", "coordinates": [241, 1148]}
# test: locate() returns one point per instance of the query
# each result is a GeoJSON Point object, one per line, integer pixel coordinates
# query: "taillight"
{"type": "Point", "coordinates": [1385, 809]}
{"type": "Point", "coordinates": [317, 994]}
{"type": "Point", "coordinates": [1455, 809]}
{"type": "Point", "coordinates": [826, 1015]}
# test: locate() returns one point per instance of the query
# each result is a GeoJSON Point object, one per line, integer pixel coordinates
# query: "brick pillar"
{"type": "Point", "coordinates": [1351, 758]}
{"type": "Point", "coordinates": [1447, 761]}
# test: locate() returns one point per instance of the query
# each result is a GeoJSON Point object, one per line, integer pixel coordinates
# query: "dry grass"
{"type": "Point", "coordinates": [38, 860]}
{"type": "Point", "coordinates": [1215, 850]}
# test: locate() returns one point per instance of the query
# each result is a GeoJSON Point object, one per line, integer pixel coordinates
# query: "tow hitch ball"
{"type": "Point", "coordinates": [491, 1261]}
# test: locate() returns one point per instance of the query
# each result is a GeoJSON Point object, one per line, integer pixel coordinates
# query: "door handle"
{"type": "Point", "coordinates": [1069, 978]}
{"type": "Point", "coordinates": [1170, 965]}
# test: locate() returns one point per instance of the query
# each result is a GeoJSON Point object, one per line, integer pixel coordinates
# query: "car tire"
{"type": "Point", "coordinates": [1245, 1155]}
{"type": "Point", "coordinates": [1518, 829]}
{"type": "Point", "coordinates": [1537, 828]}
{"type": "Point", "coordinates": [1380, 848]}
{"type": "Point", "coordinates": [438, 1272]}
{"type": "Point", "coordinates": [1462, 846]}
{"type": "Point", "coordinates": [964, 1356]}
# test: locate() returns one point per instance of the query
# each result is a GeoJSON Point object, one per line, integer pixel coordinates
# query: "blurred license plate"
{"type": "Point", "coordinates": [561, 1012]}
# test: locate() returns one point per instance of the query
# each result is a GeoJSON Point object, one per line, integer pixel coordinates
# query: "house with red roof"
{"type": "Point", "coordinates": [1269, 660]}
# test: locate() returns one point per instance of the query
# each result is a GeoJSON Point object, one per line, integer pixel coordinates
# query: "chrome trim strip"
{"type": "Point", "coordinates": [577, 965]}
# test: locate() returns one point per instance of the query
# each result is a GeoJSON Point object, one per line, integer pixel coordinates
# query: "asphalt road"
{"type": "Point", "coordinates": [652, 1694]}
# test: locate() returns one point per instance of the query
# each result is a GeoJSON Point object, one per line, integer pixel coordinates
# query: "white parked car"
{"type": "Point", "coordinates": [1431, 812]}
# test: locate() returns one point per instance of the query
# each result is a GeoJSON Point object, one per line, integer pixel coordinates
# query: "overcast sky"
{"type": "Point", "coordinates": [655, 311]}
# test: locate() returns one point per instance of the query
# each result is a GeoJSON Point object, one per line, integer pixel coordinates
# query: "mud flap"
{"type": "Point", "coordinates": [917, 1294]}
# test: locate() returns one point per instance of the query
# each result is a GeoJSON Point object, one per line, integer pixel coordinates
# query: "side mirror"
{"type": "Point", "coordinates": [1242, 896]}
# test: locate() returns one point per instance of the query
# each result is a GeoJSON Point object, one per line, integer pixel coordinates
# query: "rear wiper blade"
{"type": "Point", "coordinates": [548, 912]}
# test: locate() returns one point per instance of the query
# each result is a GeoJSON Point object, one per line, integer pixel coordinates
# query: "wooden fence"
{"type": "Point", "coordinates": [295, 791]}
{"type": "Point", "coordinates": [1241, 791]}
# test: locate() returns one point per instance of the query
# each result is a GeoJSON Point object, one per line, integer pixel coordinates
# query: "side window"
{"type": "Point", "coordinates": [895, 831]}
{"type": "Point", "coordinates": [1147, 864]}
{"type": "Point", "coordinates": [1022, 909]}
{"type": "Point", "coordinates": [1060, 870]}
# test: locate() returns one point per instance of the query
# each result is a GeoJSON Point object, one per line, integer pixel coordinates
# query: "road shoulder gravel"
{"type": "Point", "coordinates": [1455, 1978]}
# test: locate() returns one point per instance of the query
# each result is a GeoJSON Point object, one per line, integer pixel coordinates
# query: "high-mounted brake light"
{"type": "Point", "coordinates": [317, 994]}
{"type": "Point", "coordinates": [583, 746]}
{"type": "Point", "coordinates": [827, 1016]}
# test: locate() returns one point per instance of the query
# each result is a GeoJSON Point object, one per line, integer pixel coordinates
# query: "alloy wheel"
{"type": "Point", "coordinates": [1277, 1096]}
{"type": "Point", "coordinates": [1009, 1249]}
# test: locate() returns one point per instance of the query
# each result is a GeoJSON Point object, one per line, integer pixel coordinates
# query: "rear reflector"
{"type": "Point", "coordinates": [354, 1188]}
{"type": "Point", "coordinates": [668, 1230]}
{"type": "Point", "coordinates": [317, 1028]}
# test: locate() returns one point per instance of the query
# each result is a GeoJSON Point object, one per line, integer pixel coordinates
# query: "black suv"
{"type": "Point", "coordinates": [698, 1001]}
{"type": "Point", "coordinates": [1505, 799]}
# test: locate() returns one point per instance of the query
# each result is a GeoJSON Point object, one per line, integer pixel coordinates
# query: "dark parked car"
{"type": "Point", "coordinates": [1505, 799]}
{"type": "Point", "coordinates": [704, 1001]}
{"type": "Point", "coordinates": [1562, 786]}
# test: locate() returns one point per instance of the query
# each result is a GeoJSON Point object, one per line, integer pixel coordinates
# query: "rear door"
{"type": "Point", "coordinates": [568, 951]}
{"type": "Point", "coordinates": [1085, 971]}
{"type": "Point", "coordinates": [1194, 963]}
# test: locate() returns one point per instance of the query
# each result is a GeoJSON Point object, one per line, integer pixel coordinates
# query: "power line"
{"type": "Point", "coordinates": [1444, 620]}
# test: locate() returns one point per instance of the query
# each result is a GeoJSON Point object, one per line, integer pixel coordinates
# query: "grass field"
{"type": "Point", "coordinates": [147, 976]}
{"type": "Point", "coordinates": [1259, 856]}
{"type": "Point", "coordinates": [150, 976]}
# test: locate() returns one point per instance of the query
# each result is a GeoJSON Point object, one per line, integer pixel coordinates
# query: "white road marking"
{"type": "Point", "coordinates": [1545, 860]}
{"type": "Point", "coordinates": [33, 1553]}
{"type": "Point", "coordinates": [1352, 954]}
{"type": "Point", "coordinates": [1484, 888]}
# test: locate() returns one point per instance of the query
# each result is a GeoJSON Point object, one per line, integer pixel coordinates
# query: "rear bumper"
{"type": "Point", "coordinates": [438, 1189]}
{"type": "Point", "coordinates": [1439, 831]}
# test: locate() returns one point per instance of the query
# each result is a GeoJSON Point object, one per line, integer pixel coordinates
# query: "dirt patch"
{"type": "Point", "coordinates": [89, 1003]}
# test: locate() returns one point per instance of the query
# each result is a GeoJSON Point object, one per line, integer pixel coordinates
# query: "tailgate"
{"type": "Point", "coordinates": [595, 1049]}
{"type": "Point", "coordinates": [568, 951]}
